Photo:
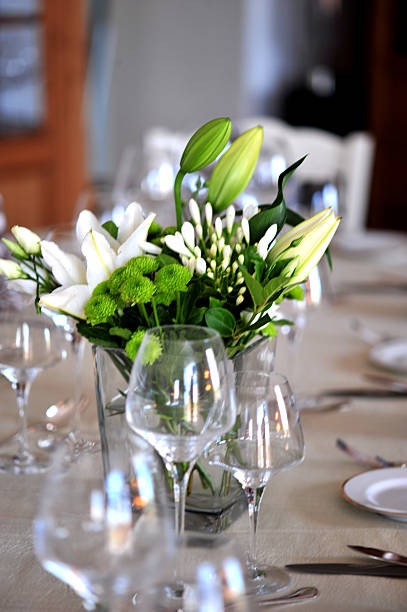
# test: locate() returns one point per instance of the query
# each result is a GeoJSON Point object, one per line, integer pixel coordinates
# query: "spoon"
{"type": "Point", "coordinates": [309, 592]}
{"type": "Point", "coordinates": [382, 555]}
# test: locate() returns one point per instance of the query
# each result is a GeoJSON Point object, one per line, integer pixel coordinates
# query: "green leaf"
{"type": "Point", "coordinates": [166, 260]}
{"type": "Point", "coordinates": [196, 316]}
{"type": "Point", "coordinates": [215, 302]}
{"type": "Point", "coordinates": [255, 288]}
{"type": "Point", "coordinates": [269, 330]}
{"type": "Point", "coordinates": [122, 332]}
{"type": "Point", "coordinates": [269, 214]}
{"type": "Point", "coordinates": [112, 228]}
{"type": "Point", "coordinates": [274, 286]}
{"type": "Point", "coordinates": [221, 320]}
{"type": "Point", "coordinates": [296, 293]}
{"type": "Point", "coordinates": [293, 218]}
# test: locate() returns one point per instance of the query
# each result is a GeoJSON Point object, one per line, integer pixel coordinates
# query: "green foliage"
{"type": "Point", "coordinates": [112, 228]}
{"type": "Point", "coordinates": [222, 320]}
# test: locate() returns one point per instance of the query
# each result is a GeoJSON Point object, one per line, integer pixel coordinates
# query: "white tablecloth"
{"type": "Point", "coordinates": [303, 517]}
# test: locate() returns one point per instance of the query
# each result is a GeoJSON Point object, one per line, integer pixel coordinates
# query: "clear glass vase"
{"type": "Point", "coordinates": [215, 498]}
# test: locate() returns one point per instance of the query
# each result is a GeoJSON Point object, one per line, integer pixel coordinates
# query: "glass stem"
{"type": "Point", "coordinates": [77, 347]}
{"type": "Point", "coordinates": [180, 477]}
{"type": "Point", "coordinates": [254, 497]}
{"type": "Point", "coordinates": [22, 390]}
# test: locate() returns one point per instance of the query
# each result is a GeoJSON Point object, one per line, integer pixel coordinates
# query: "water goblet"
{"type": "Point", "coordinates": [180, 400]}
{"type": "Point", "coordinates": [27, 347]}
{"type": "Point", "coordinates": [105, 534]}
{"type": "Point", "coordinates": [266, 439]}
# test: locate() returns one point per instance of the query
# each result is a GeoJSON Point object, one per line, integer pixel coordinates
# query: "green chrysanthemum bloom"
{"type": "Point", "coordinates": [119, 276]}
{"type": "Point", "coordinates": [133, 345]}
{"type": "Point", "coordinates": [153, 350]}
{"type": "Point", "coordinates": [172, 278]}
{"type": "Point", "coordinates": [99, 308]}
{"type": "Point", "coordinates": [144, 264]}
{"type": "Point", "coordinates": [101, 288]}
{"type": "Point", "coordinates": [137, 290]}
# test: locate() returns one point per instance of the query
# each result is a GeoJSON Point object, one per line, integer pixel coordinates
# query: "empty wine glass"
{"type": "Point", "coordinates": [27, 346]}
{"type": "Point", "coordinates": [105, 535]}
{"type": "Point", "coordinates": [180, 399]}
{"type": "Point", "coordinates": [266, 438]}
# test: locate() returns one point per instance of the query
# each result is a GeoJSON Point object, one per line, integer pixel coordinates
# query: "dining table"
{"type": "Point", "coordinates": [304, 517]}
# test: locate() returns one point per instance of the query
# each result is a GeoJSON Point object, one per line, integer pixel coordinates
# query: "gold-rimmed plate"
{"type": "Point", "coordinates": [383, 491]}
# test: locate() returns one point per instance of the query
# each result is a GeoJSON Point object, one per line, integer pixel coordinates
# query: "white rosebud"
{"type": "Point", "coordinates": [28, 240]}
{"type": "Point", "coordinates": [238, 248]}
{"type": "Point", "coordinates": [195, 212]}
{"type": "Point", "coordinates": [239, 280]}
{"type": "Point", "coordinates": [200, 265]}
{"type": "Point", "coordinates": [242, 290]}
{"type": "Point", "coordinates": [239, 234]}
{"type": "Point", "coordinates": [224, 264]}
{"type": "Point", "coordinates": [208, 213]}
{"type": "Point", "coordinates": [230, 217]}
{"type": "Point", "coordinates": [240, 259]}
{"type": "Point", "coordinates": [218, 227]}
{"type": "Point", "coordinates": [229, 289]}
{"type": "Point", "coordinates": [221, 244]}
{"type": "Point", "coordinates": [213, 250]}
{"type": "Point", "coordinates": [239, 300]}
{"type": "Point", "coordinates": [246, 229]}
{"type": "Point", "coordinates": [213, 237]}
{"type": "Point", "coordinates": [199, 231]}
{"type": "Point", "coordinates": [188, 234]}
{"type": "Point", "coordinates": [210, 274]}
{"type": "Point", "coordinates": [213, 264]}
{"type": "Point", "coordinates": [227, 251]}
{"type": "Point", "coordinates": [197, 251]}
{"type": "Point", "coordinates": [11, 269]}
{"type": "Point", "coordinates": [235, 266]}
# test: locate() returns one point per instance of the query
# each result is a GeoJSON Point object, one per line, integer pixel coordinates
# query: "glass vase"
{"type": "Point", "coordinates": [215, 498]}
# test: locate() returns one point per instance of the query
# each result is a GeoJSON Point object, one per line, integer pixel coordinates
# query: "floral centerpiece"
{"type": "Point", "coordinates": [219, 267]}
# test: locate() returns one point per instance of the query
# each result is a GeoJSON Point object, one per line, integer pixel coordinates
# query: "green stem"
{"type": "Point", "coordinates": [177, 196]}
{"type": "Point", "coordinates": [143, 311]}
{"type": "Point", "coordinates": [178, 307]}
{"type": "Point", "coordinates": [156, 319]}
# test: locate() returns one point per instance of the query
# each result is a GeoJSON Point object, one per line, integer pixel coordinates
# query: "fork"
{"type": "Point", "coordinates": [374, 462]}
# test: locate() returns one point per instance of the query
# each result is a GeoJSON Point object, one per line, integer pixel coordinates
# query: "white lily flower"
{"type": "Point", "coordinates": [70, 300]}
{"type": "Point", "coordinates": [188, 234]}
{"type": "Point", "coordinates": [27, 239]}
{"type": "Point", "coordinates": [11, 269]}
{"type": "Point", "coordinates": [149, 247]}
{"type": "Point", "coordinates": [195, 212]}
{"type": "Point", "coordinates": [230, 217]}
{"type": "Point", "coordinates": [176, 243]}
{"type": "Point", "coordinates": [265, 243]}
{"type": "Point", "coordinates": [132, 246]}
{"type": "Point", "coordinates": [86, 222]}
{"type": "Point", "coordinates": [68, 269]}
{"type": "Point", "coordinates": [132, 218]}
{"type": "Point", "coordinates": [100, 258]}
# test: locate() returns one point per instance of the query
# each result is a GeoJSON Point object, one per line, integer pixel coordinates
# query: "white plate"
{"type": "Point", "coordinates": [383, 491]}
{"type": "Point", "coordinates": [368, 243]}
{"type": "Point", "coordinates": [390, 354]}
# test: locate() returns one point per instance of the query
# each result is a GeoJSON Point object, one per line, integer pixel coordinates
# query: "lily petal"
{"type": "Point", "coordinates": [100, 258]}
{"type": "Point", "coordinates": [149, 247]}
{"type": "Point", "coordinates": [86, 222]}
{"type": "Point", "coordinates": [176, 243]}
{"type": "Point", "coordinates": [132, 246]}
{"type": "Point", "coordinates": [132, 218]}
{"type": "Point", "coordinates": [68, 269]}
{"type": "Point", "coordinates": [70, 300]}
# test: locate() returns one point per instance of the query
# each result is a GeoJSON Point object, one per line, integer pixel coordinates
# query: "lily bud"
{"type": "Point", "coordinates": [194, 210]}
{"type": "Point", "coordinates": [200, 265]}
{"type": "Point", "coordinates": [11, 269]}
{"type": "Point", "coordinates": [206, 144]}
{"type": "Point", "coordinates": [208, 213]}
{"type": "Point", "coordinates": [188, 234]}
{"type": "Point", "coordinates": [234, 170]}
{"type": "Point", "coordinates": [230, 218]}
{"type": "Point", "coordinates": [28, 240]}
{"type": "Point", "coordinates": [15, 248]}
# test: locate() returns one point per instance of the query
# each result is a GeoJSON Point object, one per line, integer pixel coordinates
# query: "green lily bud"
{"type": "Point", "coordinates": [11, 269]}
{"type": "Point", "coordinates": [15, 248]}
{"type": "Point", "coordinates": [235, 168]}
{"type": "Point", "coordinates": [206, 144]}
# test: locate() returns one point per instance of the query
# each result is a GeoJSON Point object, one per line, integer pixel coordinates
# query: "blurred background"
{"type": "Point", "coordinates": [96, 93]}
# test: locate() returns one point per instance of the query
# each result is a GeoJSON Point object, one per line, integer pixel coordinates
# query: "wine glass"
{"type": "Point", "coordinates": [266, 439]}
{"type": "Point", "coordinates": [107, 535]}
{"type": "Point", "coordinates": [180, 399]}
{"type": "Point", "coordinates": [27, 347]}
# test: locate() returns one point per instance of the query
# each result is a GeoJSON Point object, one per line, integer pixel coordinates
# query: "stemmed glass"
{"type": "Point", "coordinates": [266, 438]}
{"type": "Point", "coordinates": [27, 346]}
{"type": "Point", "coordinates": [180, 399]}
{"type": "Point", "coordinates": [107, 535]}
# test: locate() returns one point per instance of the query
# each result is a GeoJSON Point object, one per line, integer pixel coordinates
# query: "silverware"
{"type": "Point", "coordinates": [374, 462]}
{"type": "Point", "coordinates": [371, 393]}
{"type": "Point", "coordinates": [381, 555]}
{"type": "Point", "coordinates": [298, 595]}
{"type": "Point", "coordinates": [355, 569]}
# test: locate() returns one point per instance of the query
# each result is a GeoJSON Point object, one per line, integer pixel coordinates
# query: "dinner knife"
{"type": "Point", "coordinates": [361, 392]}
{"type": "Point", "coordinates": [355, 569]}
